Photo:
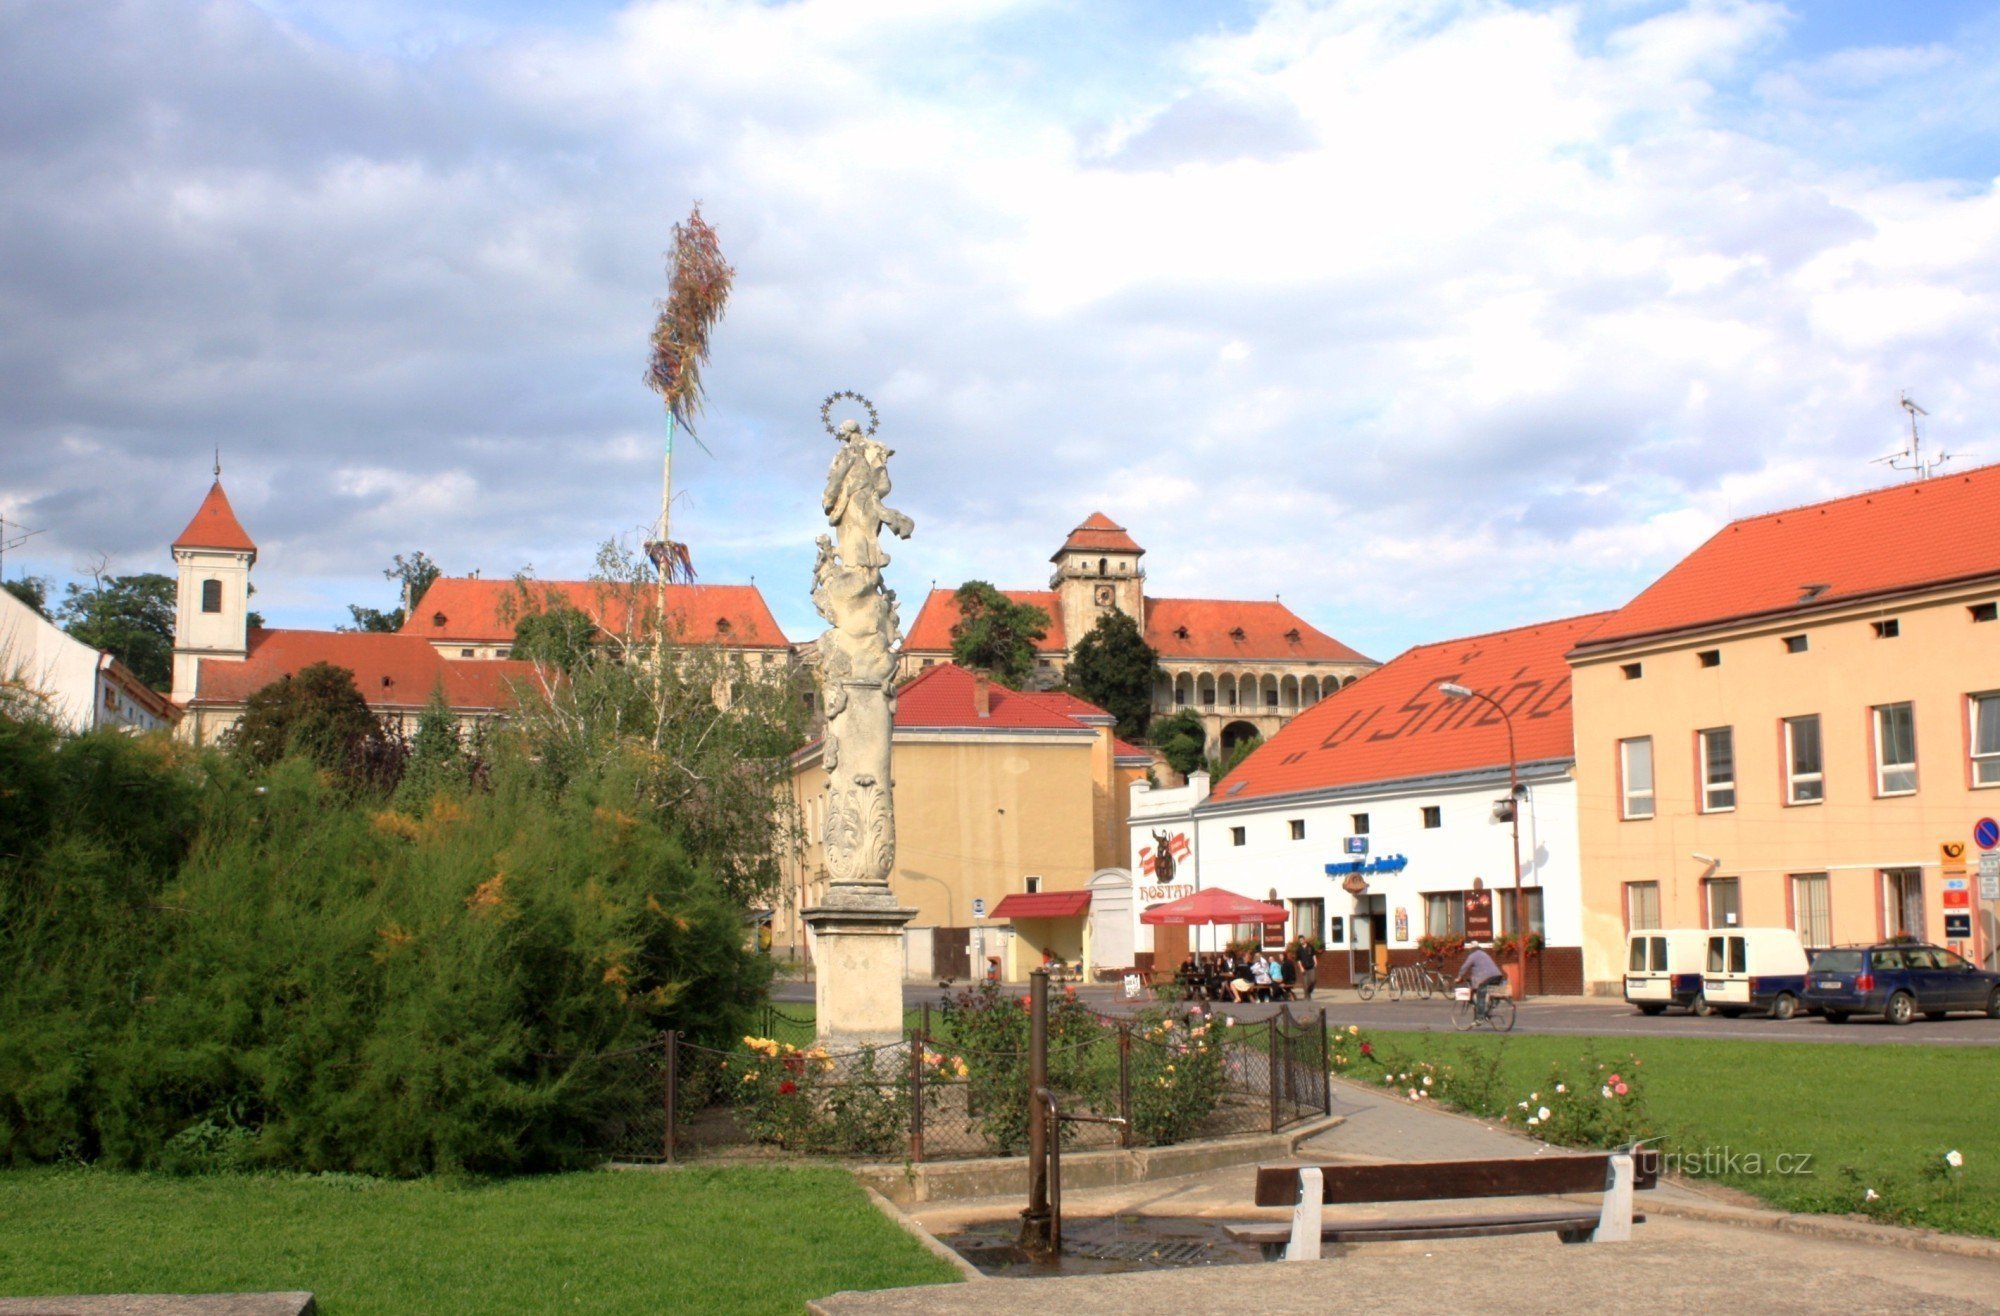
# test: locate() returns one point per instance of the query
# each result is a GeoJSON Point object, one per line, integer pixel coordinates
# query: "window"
{"type": "Point", "coordinates": [1033, 884]}
{"type": "Point", "coordinates": [1737, 960]}
{"type": "Point", "coordinates": [1532, 898]}
{"type": "Point", "coordinates": [1642, 905]}
{"type": "Point", "coordinates": [1887, 630]}
{"type": "Point", "coordinates": [1433, 815]}
{"type": "Point", "coordinates": [1895, 749]}
{"type": "Point", "coordinates": [503, 653]}
{"type": "Point", "coordinates": [1360, 824]}
{"type": "Point", "coordinates": [1336, 931]}
{"type": "Point", "coordinates": [1208, 696]}
{"type": "Point", "coordinates": [1902, 902]}
{"type": "Point", "coordinates": [1986, 740]}
{"type": "Point", "coordinates": [465, 653]}
{"type": "Point", "coordinates": [1633, 671]}
{"type": "Point", "coordinates": [1237, 835]}
{"type": "Point", "coordinates": [211, 596]}
{"type": "Point", "coordinates": [1444, 913]}
{"type": "Point", "coordinates": [1271, 698]}
{"type": "Point", "coordinates": [1795, 644]}
{"type": "Point", "coordinates": [1805, 781]}
{"type": "Point", "coordinates": [1709, 657]}
{"type": "Point", "coordinates": [1298, 829]}
{"type": "Point", "coordinates": [1309, 918]}
{"type": "Point", "coordinates": [1722, 898]}
{"type": "Point", "coordinates": [1985, 611]}
{"type": "Point", "coordinates": [1718, 770]}
{"type": "Point", "coordinates": [1812, 910]}
{"type": "Point", "coordinates": [1635, 772]}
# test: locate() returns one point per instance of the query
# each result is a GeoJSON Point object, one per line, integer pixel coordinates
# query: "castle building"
{"type": "Point", "coordinates": [456, 641]}
{"type": "Point", "coordinates": [1246, 666]}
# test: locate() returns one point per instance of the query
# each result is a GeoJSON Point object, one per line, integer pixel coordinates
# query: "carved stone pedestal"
{"type": "Point", "coordinates": [858, 958]}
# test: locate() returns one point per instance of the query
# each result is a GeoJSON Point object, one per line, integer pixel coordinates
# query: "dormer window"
{"type": "Point", "coordinates": [722, 626]}
{"type": "Point", "coordinates": [1293, 635]}
{"type": "Point", "coordinates": [1180, 632]}
{"type": "Point", "coordinates": [437, 619]}
{"type": "Point", "coordinates": [1236, 633]}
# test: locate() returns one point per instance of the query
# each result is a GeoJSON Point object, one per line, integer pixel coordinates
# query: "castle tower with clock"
{"type": "Point", "coordinates": [1247, 666]}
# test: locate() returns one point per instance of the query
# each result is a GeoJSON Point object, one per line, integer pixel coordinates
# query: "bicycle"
{"type": "Point", "coordinates": [1431, 980]}
{"type": "Point", "coordinates": [1365, 985]}
{"type": "Point", "coordinates": [1464, 1017]}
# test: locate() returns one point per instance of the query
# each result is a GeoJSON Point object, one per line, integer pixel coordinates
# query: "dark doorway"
{"type": "Point", "coordinates": [951, 953]}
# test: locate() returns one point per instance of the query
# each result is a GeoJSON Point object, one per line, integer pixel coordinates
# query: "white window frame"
{"type": "Point", "coordinates": [1795, 780]}
{"type": "Point", "coordinates": [1629, 798]}
{"type": "Point", "coordinates": [1985, 763]}
{"type": "Point", "coordinates": [1879, 715]}
{"type": "Point", "coordinates": [1718, 793]}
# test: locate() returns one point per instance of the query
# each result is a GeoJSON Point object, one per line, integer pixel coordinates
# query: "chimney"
{"type": "Point", "coordinates": [982, 694]}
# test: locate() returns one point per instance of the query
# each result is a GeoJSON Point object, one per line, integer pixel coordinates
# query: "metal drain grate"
{"type": "Point", "coordinates": [1140, 1249]}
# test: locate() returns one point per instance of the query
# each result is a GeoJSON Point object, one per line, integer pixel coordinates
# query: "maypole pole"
{"type": "Point", "coordinates": [697, 290]}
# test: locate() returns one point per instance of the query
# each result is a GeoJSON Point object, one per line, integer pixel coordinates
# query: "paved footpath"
{"type": "Point", "coordinates": [1697, 1253]}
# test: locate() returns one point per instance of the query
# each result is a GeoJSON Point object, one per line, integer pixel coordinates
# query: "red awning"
{"type": "Point", "coordinates": [1213, 905]}
{"type": "Point", "coordinates": [1042, 904]}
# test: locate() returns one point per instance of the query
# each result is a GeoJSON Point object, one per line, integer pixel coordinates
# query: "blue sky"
{"type": "Point", "coordinates": [1433, 316]}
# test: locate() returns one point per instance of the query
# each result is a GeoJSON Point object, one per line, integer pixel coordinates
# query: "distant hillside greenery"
{"type": "Point", "coordinates": [214, 963]}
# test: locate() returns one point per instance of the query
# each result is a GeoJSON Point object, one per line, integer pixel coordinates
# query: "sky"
{"type": "Point", "coordinates": [1430, 317]}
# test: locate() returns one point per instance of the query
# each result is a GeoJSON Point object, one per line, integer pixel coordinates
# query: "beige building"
{"type": "Point", "coordinates": [1799, 725]}
{"type": "Point", "coordinates": [1247, 666]}
{"type": "Point", "coordinates": [998, 793]}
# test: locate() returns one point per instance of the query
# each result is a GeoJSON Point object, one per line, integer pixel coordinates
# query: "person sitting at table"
{"type": "Point", "coordinates": [1278, 992]}
{"type": "Point", "coordinates": [1260, 976]}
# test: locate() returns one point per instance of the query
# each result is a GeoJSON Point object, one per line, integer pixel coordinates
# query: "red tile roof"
{"type": "Point", "coordinates": [215, 526]}
{"type": "Point", "coordinates": [468, 610]}
{"type": "Point", "coordinates": [931, 631]}
{"type": "Point", "coordinates": [392, 671]}
{"type": "Point", "coordinates": [1098, 534]}
{"type": "Point", "coordinates": [941, 698]}
{"type": "Point", "coordinates": [1062, 701]}
{"type": "Point", "coordinates": [1209, 629]}
{"type": "Point", "coordinates": [1393, 724]}
{"type": "Point", "coordinates": [1903, 537]}
{"type": "Point", "coordinates": [1042, 904]}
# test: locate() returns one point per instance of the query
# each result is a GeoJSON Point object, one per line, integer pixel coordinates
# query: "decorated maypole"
{"type": "Point", "coordinates": [698, 280]}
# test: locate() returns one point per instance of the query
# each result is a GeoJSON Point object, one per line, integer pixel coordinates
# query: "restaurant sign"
{"type": "Point", "coordinates": [1388, 863]}
{"type": "Point", "coordinates": [1153, 895]}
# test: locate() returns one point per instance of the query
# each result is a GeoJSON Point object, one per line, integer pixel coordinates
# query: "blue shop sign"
{"type": "Point", "coordinates": [1388, 863]}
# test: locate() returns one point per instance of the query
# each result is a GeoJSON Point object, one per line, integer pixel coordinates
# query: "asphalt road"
{"type": "Point", "coordinates": [1562, 1015]}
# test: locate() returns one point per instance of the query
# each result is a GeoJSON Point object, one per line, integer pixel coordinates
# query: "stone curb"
{"type": "Point", "coordinates": [945, 1181]}
{"type": "Point", "coordinates": [910, 1226]}
{"type": "Point", "coordinates": [1836, 1228]}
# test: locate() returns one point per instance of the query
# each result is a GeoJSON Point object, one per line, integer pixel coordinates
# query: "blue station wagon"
{"type": "Point", "coordinates": [1897, 980]}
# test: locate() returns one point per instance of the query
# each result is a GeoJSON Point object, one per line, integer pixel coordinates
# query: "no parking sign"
{"type": "Point", "coordinates": [1986, 833]}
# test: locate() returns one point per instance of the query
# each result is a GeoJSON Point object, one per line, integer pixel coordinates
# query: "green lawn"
{"type": "Point", "coordinates": [714, 1240]}
{"type": "Point", "coordinates": [1869, 1117]}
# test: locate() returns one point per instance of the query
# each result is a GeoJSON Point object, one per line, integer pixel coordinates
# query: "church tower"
{"type": "Point", "coordinates": [1097, 571]}
{"type": "Point", "coordinates": [212, 602]}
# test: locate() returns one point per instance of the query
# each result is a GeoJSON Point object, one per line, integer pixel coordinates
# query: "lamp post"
{"type": "Point", "coordinates": [1452, 691]}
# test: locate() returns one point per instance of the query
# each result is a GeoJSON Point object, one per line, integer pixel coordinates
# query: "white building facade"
{"type": "Point", "coordinates": [47, 673]}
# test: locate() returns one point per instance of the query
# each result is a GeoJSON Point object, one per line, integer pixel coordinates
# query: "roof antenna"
{"type": "Point", "coordinates": [1912, 458]}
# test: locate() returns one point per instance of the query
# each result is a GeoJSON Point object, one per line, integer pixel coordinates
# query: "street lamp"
{"type": "Point", "coordinates": [1453, 691]}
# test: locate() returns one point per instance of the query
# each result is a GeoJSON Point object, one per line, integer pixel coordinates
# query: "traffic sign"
{"type": "Point", "coordinates": [1357, 845]}
{"type": "Point", "coordinates": [1986, 833]}
{"type": "Point", "coordinates": [978, 907]}
{"type": "Point", "coordinates": [1989, 875]}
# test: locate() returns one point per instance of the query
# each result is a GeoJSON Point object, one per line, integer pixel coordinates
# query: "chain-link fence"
{"type": "Point", "coordinates": [1170, 1076]}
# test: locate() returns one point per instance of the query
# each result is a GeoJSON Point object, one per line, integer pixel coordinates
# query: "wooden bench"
{"type": "Point", "coordinates": [1307, 1188]}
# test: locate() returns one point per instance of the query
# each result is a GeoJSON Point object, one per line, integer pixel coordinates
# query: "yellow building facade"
{"type": "Point", "coordinates": [1799, 726]}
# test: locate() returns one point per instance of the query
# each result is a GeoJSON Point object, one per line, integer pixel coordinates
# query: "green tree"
{"type": "Point", "coordinates": [417, 574]}
{"type": "Point", "coordinates": [559, 635]}
{"type": "Point", "coordinates": [1114, 668]}
{"type": "Point", "coordinates": [31, 590]}
{"type": "Point", "coordinates": [316, 712]}
{"type": "Point", "coordinates": [1182, 739]}
{"type": "Point", "coordinates": [1223, 766]}
{"type": "Point", "coordinates": [438, 762]}
{"type": "Point", "coordinates": [129, 617]}
{"type": "Point", "coordinates": [996, 634]}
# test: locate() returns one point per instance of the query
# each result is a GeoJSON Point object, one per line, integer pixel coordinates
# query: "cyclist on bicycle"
{"type": "Point", "coordinates": [1484, 975]}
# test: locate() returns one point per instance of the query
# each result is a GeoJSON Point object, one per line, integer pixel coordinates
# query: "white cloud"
{"type": "Point", "coordinates": [1431, 317]}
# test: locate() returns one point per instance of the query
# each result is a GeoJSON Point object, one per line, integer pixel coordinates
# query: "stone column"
{"type": "Point", "coordinates": [858, 929]}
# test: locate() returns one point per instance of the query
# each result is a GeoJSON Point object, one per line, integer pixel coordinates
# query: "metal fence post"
{"type": "Point", "coordinates": [1272, 1075]}
{"type": "Point", "coordinates": [1325, 1068]}
{"type": "Point", "coordinates": [1125, 1084]}
{"type": "Point", "coordinates": [918, 1044]}
{"type": "Point", "coordinates": [673, 1042]}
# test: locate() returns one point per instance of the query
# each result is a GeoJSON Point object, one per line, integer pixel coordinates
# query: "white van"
{"type": "Point", "coordinates": [1762, 969]}
{"type": "Point", "coordinates": [1663, 967]}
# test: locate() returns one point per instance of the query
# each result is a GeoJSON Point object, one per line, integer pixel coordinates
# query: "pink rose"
{"type": "Point", "coordinates": [1621, 1089]}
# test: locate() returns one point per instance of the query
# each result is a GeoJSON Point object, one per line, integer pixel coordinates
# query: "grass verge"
{"type": "Point", "coordinates": [1848, 1120]}
{"type": "Point", "coordinates": [699, 1239]}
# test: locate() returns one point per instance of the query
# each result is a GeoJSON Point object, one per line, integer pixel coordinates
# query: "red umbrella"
{"type": "Point", "coordinates": [1213, 905]}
